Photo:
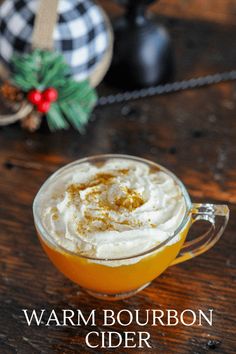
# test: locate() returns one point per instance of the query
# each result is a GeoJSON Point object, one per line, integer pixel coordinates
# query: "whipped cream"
{"type": "Point", "coordinates": [118, 209]}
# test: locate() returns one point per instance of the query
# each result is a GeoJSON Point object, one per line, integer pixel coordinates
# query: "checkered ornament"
{"type": "Point", "coordinates": [81, 34]}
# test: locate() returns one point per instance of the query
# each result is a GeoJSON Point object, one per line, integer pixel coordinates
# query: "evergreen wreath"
{"type": "Point", "coordinates": [44, 79]}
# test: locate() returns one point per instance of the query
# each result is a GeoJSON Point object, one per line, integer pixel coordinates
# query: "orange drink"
{"type": "Point", "coordinates": [113, 223]}
{"type": "Point", "coordinates": [101, 278]}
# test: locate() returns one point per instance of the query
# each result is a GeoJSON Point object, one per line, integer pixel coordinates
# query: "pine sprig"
{"type": "Point", "coordinates": [43, 69]}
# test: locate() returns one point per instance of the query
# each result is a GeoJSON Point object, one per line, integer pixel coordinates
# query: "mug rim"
{"type": "Point", "coordinates": [45, 234]}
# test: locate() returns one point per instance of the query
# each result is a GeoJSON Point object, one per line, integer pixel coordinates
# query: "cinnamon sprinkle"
{"type": "Point", "coordinates": [130, 200]}
{"type": "Point", "coordinates": [55, 215]}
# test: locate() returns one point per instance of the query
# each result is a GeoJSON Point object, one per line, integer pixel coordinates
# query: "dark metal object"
{"type": "Point", "coordinates": [142, 49]}
{"type": "Point", "coordinates": [167, 88]}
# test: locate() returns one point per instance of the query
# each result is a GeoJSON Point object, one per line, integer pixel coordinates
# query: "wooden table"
{"type": "Point", "coordinates": [193, 133]}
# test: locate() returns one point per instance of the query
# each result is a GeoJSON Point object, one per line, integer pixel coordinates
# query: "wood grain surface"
{"type": "Point", "coordinates": [218, 11]}
{"type": "Point", "coordinates": [193, 133]}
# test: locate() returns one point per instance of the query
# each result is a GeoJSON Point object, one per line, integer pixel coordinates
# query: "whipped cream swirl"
{"type": "Point", "coordinates": [118, 209]}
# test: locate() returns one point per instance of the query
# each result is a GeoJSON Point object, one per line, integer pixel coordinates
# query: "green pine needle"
{"type": "Point", "coordinates": [56, 119]}
{"type": "Point", "coordinates": [43, 69]}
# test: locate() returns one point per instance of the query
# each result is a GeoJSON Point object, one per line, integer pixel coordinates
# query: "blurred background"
{"type": "Point", "coordinates": [211, 10]}
{"type": "Point", "coordinates": [192, 133]}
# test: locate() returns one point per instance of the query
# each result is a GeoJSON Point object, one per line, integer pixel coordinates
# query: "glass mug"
{"type": "Point", "coordinates": [97, 275]}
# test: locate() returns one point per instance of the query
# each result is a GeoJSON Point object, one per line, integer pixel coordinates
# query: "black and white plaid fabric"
{"type": "Point", "coordinates": [81, 34]}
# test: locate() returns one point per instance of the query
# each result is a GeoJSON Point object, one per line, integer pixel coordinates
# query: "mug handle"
{"type": "Point", "coordinates": [218, 216]}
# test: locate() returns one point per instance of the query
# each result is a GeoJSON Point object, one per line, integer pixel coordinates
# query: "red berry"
{"type": "Point", "coordinates": [50, 94]}
{"type": "Point", "coordinates": [34, 97]}
{"type": "Point", "coordinates": [43, 106]}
